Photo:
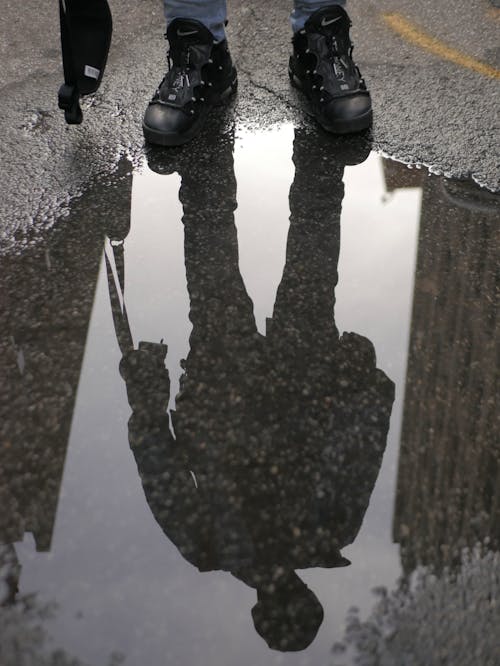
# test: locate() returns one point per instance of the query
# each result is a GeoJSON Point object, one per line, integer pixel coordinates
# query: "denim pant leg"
{"type": "Point", "coordinates": [212, 13]}
{"type": "Point", "coordinates": [304, 8]}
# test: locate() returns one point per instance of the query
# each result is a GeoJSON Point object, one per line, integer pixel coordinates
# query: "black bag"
{"type": "Point", "coordinates": [86, 28]}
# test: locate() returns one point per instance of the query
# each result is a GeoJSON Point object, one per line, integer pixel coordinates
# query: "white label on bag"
{"type": "Point", "coordinates": [92, 72]}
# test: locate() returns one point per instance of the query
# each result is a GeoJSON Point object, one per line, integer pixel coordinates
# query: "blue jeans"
{"type": "Point", "coordinates": [212, 13]}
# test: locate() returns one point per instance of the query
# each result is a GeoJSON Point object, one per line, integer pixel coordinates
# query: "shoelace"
{"type": "Point", "coordinates": [337, 58]}
{"type": "Point", "coordinates": [340, 63]}
{"type": "Point", "coordinates": [179, 67]}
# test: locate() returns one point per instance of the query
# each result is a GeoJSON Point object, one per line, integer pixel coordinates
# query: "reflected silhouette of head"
{"type": "Point", "coordinates": [287, 614]}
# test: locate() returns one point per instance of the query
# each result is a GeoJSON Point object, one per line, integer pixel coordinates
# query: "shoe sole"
{"type": "Point", "coordinates": [158, 138]}
{"type": "Point", "coordinates": [351, 126]}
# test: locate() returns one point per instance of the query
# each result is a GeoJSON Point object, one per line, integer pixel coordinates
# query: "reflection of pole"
{"type": "Point", "coordinates": [45, 310]}
{"type": "Point", "coordinates": [448, 494]}
{"type": "Point", "coordinates": [118, 309]}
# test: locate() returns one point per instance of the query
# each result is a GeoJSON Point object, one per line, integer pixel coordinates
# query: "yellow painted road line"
{"type": "Point", "coordinates": [415, 35]}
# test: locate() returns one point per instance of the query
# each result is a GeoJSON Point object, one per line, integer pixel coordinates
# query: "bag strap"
{"type": "Point", "coordinates": [118, 308]}
{"type": "Point", "coordinates": [68, 96]}
{"type": "Point", "coordinates": [86, 29]}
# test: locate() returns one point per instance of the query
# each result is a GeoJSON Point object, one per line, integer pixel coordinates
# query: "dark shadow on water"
{"type": "Point", "coordinates": [278, 439]}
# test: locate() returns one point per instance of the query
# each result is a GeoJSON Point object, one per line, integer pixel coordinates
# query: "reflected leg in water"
{"type": "Point", "coordinates": [180, 475]}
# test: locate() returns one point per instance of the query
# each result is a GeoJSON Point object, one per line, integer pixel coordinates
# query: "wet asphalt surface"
{"type": "Point", "coordinates": [284, 449]}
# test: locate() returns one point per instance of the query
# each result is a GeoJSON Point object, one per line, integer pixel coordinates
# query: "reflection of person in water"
{"type": "Point", "coordinates": [278, 439]}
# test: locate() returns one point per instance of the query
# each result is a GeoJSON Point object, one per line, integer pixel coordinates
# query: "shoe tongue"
{"type": "Point", "coordinates": [187, 30]}
{"type": "Point", "coordinates": [328, 20]}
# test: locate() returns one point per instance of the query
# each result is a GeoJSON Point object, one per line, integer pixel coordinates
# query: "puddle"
{"type": "Point", "coordinates": [331, 362]}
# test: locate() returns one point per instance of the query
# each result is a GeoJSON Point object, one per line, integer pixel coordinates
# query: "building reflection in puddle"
{"type": "Point", "coordinates": [445, 606]}
{"type": "Point", "coordinates": [264, 468]}
{"type": "Point", "coordinates": [448, 495]}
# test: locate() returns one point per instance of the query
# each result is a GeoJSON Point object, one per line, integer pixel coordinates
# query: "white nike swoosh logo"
{"type": "Point", "coordinates": [324, 22]}
{"type": "Point", "coordinates": [186, 33]}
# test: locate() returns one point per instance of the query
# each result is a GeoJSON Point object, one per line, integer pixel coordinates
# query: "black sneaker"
{"type": "Point", "coordinates": [201, 75]}
{"type": "Point", "coordinates": [322, 67]}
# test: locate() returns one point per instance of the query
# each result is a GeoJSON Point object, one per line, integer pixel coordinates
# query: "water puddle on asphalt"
{"type": "Point", "coordinates": [272, 393]}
